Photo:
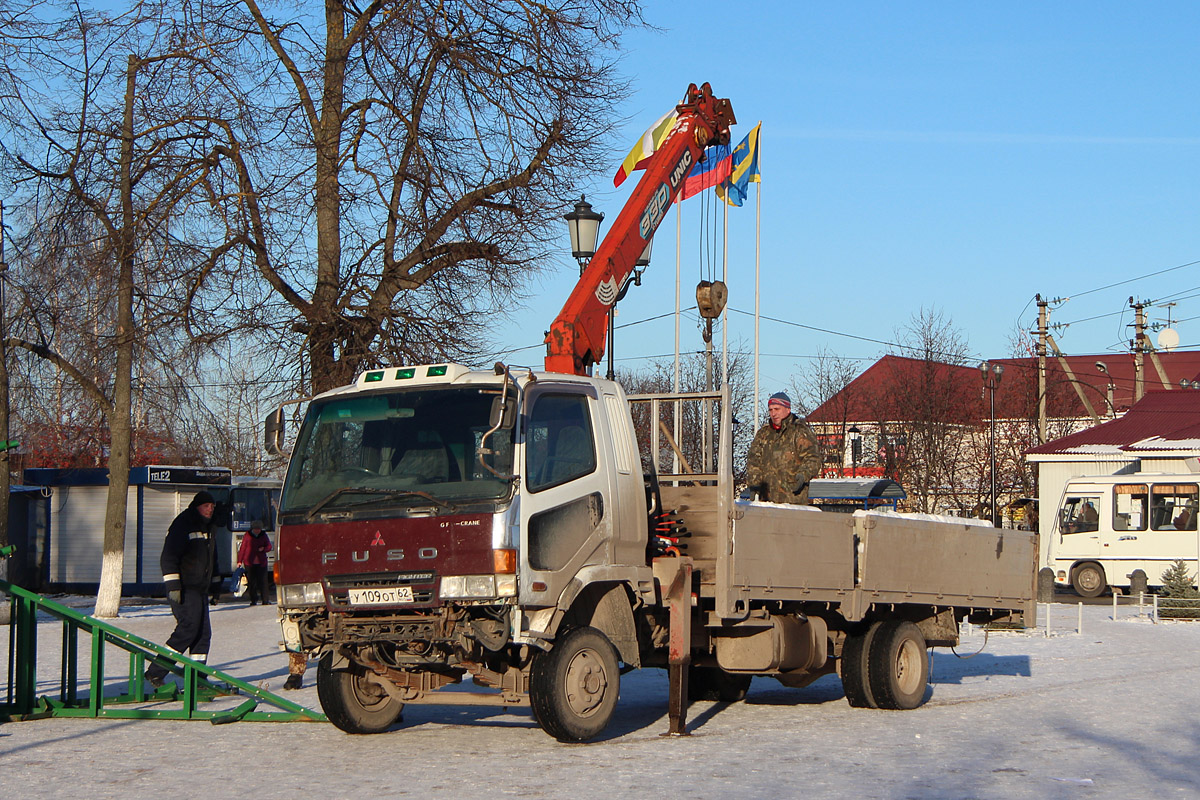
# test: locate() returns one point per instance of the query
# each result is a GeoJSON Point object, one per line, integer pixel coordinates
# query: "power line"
{"type": "Point", "coordinates": [1136, 278]}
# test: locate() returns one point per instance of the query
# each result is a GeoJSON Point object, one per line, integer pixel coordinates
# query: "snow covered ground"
{"type": "Point", "coordinates": [1111, 712]}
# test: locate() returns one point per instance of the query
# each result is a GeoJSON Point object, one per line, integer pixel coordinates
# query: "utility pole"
{"type": "Point", "coordinates": [1138, 343]}
{"type": "Point", "coordinates": [5, 445]}
{"type": "Point", "coordinates": [1042, 330]}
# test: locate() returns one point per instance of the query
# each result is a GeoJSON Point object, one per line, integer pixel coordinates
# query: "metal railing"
{"type": "Point", "coordinates": [82, 692]}
{"type": "Point", "coordinates": [664, 420]}
{"type": "Point", "coordinates": [1158, 607]}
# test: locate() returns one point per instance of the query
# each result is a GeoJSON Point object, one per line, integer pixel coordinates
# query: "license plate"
{"type": "Point", "coordinates": [383, 596]}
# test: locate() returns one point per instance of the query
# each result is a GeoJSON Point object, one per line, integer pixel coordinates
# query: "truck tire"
{"type": "Point", "coordinates": [898, 665]}
{"type": "Point", "coordinates": [714, 683]}
{"type": "Point", "coordinates": [573, 688]}
{"type": "Point", "coordinates": [854, 668]}
{"type": "Point", "coordinates": [353, 703]}
{"type": "Point", "coordinates": [1088, 580]}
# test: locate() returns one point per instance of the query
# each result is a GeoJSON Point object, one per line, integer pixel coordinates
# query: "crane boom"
{"type": "Point", "coordinates": [576, 339]}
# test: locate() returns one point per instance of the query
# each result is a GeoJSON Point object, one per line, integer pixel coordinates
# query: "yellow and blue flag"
{"type": "Point", "coordinates": [745, 170]}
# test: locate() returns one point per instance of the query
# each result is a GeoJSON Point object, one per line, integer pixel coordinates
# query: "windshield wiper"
{"type": "Point", "coordinates": [336, 493]}
{"type": "Point", "coordinates": [383, 494]}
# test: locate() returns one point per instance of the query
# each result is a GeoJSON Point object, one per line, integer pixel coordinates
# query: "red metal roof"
{"type": "Point", "coordinates": [879, 390]}
{"type": "Point", "coordinates": [1162, 420]}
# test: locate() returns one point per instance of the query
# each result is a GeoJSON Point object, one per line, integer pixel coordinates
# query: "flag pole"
{"type": "Point", "coordinates": [725, 311]}
{"type": "Point", "coordinates": [678, 285]}
{"type": "Point", "coordinates": [757, 239]}
{"type": "Point", "coordinates": [678, 249]}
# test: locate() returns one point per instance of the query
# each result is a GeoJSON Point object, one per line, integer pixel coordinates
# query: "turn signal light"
{"type": "Point", "coordinates": [504, 561]}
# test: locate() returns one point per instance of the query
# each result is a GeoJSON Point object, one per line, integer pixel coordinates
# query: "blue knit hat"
{"type": "Point", "coordinates": [781, 399]}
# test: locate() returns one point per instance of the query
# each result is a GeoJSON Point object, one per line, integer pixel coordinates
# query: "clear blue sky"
{"type": "Point", "coordinates": [962, 156]}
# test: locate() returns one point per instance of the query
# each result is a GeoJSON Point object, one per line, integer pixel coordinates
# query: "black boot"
{"type": "Point", "coordinates": [293, 681]}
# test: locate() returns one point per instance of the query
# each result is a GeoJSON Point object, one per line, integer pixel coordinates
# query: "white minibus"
{"type": "Point", "coordinates": [1107, 527]}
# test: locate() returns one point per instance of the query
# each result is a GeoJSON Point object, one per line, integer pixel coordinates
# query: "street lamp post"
{"type": "Point", "coordinates": [855, 449]}
{"type": "Point", "coordinates": [991, 374]}
{"type": "Point", "coordinates": [584, 225]}
{"type": "Point", "coordinates": [635, 279]}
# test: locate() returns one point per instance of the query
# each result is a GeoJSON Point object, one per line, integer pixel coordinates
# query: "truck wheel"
{"type": "Point", "coordinates": [353, 703]}
{"type": "Point", "coordinates": [1088, 580]}
{"type": "Point", "coordinates": [714, 683]}
{"type": "Point", "coordinates": [573, 688]}
{"type": "Point", "coordinates": [898, 665]}
{"type": "Point", "coordinates": [854, 668]}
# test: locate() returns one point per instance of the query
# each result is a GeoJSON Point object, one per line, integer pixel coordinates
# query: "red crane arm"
{"type": "Point", "coordinates": [576, 339]}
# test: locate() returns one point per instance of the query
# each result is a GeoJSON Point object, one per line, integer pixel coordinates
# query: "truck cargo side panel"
{"type": "Point", "coordinates": [905, 559]}
{"type": "Point", "coordinates": [788, 553]}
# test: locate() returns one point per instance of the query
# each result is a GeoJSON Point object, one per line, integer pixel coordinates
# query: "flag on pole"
{"type": "Point", "coordinates": [712, 171]}
{"type": "Point", "coordinates": [744, 171]}
{"type": "Point", "coordinates": [650, 141]}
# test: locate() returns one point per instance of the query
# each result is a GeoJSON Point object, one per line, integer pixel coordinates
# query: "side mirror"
{"type": "Point", "coordinates": [507, 409]}
{"type": "Point", "coordinates": [273, 430]}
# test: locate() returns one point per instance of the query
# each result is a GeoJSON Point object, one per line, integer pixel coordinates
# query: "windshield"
{"type": "Point", "coordinates": [400, 448]}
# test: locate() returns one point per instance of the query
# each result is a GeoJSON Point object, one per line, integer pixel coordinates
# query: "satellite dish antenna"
{"type": "Point", "coordinates": [1168, 339]}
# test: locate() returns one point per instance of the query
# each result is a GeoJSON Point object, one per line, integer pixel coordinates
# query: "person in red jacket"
{"type": "Point", "coordinates": [252, 556]}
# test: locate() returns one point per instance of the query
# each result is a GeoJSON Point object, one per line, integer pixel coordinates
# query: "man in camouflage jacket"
{"type": "Point", "coordinates": [784, 455]}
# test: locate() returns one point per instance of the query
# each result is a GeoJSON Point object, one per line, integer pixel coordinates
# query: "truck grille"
{"type": "Point", "coordinates": [422, 583]}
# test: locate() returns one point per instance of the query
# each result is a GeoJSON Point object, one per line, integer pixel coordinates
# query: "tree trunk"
{"type": "Point", "coordinates": [325, 353]}
{"type": "Point", "coordinates": [120, 425]}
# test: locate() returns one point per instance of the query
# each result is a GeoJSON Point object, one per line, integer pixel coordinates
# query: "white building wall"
{"type": "Point", "coordinates": [77, 533]}
{"type": "Point", "coordinates": [160, 506]}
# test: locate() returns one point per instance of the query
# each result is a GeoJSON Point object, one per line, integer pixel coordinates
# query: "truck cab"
{"type": "Point", "coordinates": [437, 521]}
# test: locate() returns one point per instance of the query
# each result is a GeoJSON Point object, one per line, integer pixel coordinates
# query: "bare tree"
{"type": "Point", "coordinates": [828, 379]}
{"type": "Point", "coordinates": [396, 182]}
{"type": "Point", "coordinates": [926, 410]}
{"type": "Point", "coordinates": [223, 419]}
{"type": "Point", "coordinates": [106, 146]}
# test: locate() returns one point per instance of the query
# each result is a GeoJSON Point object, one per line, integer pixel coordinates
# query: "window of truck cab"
{"type": "Point", "coordinates": [559, 445]}
{"type": "Point", "coordinates": [382, 449]}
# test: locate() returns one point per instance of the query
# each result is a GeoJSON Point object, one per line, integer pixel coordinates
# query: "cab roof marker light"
{"type": "Point", "coordinates": [424, 374]}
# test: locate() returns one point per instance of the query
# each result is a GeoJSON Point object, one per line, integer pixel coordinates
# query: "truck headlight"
{"type": "Point", "coordinates": [478, 587]}
{"type": "Point", "coordinates": [301, 594]}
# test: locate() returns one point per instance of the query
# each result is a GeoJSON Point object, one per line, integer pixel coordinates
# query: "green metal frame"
{"type": "Point", "coordinates": [200, 682]}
